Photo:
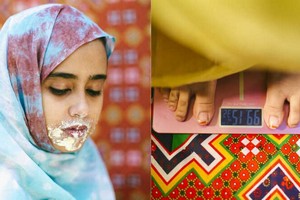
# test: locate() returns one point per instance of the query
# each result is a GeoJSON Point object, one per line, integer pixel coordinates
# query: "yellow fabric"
{"type": "Point", "coordinates": [201, 40]}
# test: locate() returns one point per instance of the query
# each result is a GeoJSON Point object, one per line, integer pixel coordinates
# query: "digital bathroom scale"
{"type": "Point", "coordinates": [239, 102]}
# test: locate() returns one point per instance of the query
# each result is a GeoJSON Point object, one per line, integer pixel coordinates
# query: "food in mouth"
{"type": "Point", "coordinates": [70, 135]}
{"type": "Point", "coordinates": [75, 131]}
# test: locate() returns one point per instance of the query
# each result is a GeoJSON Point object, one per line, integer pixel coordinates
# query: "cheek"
{"type": "Point", "coordinates": [96, 109]}
{"type": "Point", "coordinates": [52, 109]}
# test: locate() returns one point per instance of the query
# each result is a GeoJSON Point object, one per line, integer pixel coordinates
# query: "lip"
{"type": "Point", "coordinates": [75, 131]}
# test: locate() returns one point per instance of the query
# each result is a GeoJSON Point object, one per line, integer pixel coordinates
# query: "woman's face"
{"type": "Point", "coordinates": [72, 96]}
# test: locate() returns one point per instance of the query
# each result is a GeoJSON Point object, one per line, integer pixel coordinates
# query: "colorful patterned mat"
{"type": "Point", "coordinates": [219, 166]}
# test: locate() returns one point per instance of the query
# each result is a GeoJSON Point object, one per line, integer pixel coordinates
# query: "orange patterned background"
{"type": "Point", "coordinates": [123, 135]}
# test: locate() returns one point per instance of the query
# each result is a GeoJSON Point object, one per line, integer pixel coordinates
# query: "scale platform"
{"type": "Point", "coordinates": [239, 102]}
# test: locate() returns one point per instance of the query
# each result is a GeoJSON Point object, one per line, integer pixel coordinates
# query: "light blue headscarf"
{"type": "Point", "coordinates": [32, 44]}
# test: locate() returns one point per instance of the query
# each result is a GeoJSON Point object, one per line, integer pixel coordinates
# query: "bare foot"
{"type": "Point", "coordinates": [178, 100]}
{"type": "Point", "coordinates": [282, 87]}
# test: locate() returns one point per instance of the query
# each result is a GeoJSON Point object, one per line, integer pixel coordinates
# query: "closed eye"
{"type": "Point", "coordinates": [93, 93]}
{"type": "Point", "coordinates": [59, 92]}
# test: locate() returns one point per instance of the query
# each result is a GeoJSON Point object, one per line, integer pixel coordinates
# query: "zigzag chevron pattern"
{"type": "Point", "coordinates": [223, 166]}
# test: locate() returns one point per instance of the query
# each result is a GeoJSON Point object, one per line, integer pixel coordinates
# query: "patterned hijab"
{"type": "Point", "coordinates": [32, 44]}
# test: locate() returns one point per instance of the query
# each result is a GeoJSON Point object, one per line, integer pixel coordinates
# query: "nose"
{"type": "Point", "coordinates": [79, 108]}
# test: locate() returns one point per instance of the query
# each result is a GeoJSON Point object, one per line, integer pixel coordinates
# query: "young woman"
{"type": "Point", "coordinates": [53, 64]}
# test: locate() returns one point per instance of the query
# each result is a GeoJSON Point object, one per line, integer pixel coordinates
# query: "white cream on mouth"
{"type": "Point", "coordinates": [71, 140]}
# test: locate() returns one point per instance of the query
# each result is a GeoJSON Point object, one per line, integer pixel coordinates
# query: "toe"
{"type": "Point", "coordinates": [173, 99]}
{"type": "Point", "coordinates": [294, 114]}
{"type": "Point", "coordinates": [182, 105]}
{"type": "Point", "coordinates": [204, 102]}
{"type": "Point", "coordinates": [165, 92]}
{"type": "Point", "coordinates": [273, 108]}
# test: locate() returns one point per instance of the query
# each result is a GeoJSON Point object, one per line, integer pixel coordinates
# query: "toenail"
{"type": "Point", "coordinates": [171, 107]}
{"type": "Point", "coordinates": [273, 122]}
{"type": "Point", "coordinates": [293, 125]}
{"type": "Point", "coordinates": [179, 118]}
{"type": "Point", "coordinates": [203, 118]}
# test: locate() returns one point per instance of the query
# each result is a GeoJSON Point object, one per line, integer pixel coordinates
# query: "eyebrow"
{"type": "Point", "coordinates": [72, 76]}
{"type": "Point", "coordinates": [98, 77]}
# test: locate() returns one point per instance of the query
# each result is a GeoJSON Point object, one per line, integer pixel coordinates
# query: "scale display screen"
{"type": "Point", "coordinates": [250, 117]}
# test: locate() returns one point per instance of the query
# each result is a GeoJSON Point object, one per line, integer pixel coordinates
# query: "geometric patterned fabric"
{"type": "Point", "coordinates": [225, 166]}
{"type": "Point", "coordinates": [124, 129]}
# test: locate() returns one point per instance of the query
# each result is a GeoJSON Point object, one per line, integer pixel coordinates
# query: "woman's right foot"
{"type": "Point", "coordinates": [178, 100]}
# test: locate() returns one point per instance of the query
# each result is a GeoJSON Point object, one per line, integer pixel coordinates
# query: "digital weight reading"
{"type": "Point", "coordinates": [250, 117]}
